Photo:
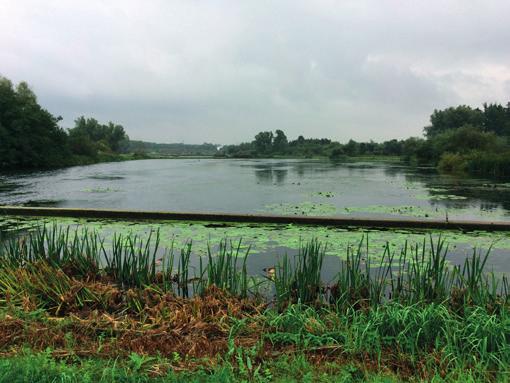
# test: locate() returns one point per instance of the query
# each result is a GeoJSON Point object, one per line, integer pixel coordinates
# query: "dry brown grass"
{"type": "Point", "coordinates": [197, 327]}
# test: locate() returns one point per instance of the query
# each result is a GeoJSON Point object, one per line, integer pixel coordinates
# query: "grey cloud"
{"type": "Point", "coordinates": [221, 71]}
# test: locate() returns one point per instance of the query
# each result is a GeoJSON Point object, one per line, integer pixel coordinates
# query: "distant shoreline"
{"type": "Point", "coordinates": [111, 158]}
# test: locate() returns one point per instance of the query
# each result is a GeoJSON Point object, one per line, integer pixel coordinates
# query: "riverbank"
{"type": "Point", "coordinates": [76, 160]}
{"type": "Point", "coordinates": [44, 368]}
{"type": "Point", "coordinates": [296, 345]}
{"type": "Point", "coordinates": [105, 157]}
{"type": "Point", "coordinates": [71, 302]}
{"type": "Point", "coordinates": [359, 158]}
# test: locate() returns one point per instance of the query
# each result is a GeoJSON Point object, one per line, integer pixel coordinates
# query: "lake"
{"type": "Point", "coordinates": [292, 187]}
{"type": "Point", "coordinates": [275, 186]}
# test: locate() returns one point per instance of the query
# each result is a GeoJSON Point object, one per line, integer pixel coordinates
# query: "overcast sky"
{"type": "Point", "coordinates": [220, 71]}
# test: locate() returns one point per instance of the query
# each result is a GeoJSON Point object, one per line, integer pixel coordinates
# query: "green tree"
{"type": "Point", "coordinates": [116, 136]}
{"type": "Point", "coordinates": [263, 142]}
{"type": "Point", "coordinates": [351, 148]}
{"type": "Point", "coordinates": [30, 135]}
{"type": "Point", "coordinates": [411, 147]}
{"type": "Point", "coordinates": [454, 118]}
{"type": "Point", "coordinates": [280, 142]}
{"type": "Point", "coordinates": [337, 153]}
{"type": "Point", "coordinates": [88, 137]}
{"type": "Point", "coordinates": [496, 118]}
{"type": "Point", "coordinates": [465, 139]}
{"type": "Point", "coordinates": [392, 148]}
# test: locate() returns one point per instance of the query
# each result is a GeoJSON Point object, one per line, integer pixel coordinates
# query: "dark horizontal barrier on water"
{"type": "Point", "coordinates": [225, 217]}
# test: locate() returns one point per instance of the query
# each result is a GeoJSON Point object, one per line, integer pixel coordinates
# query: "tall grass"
{"type": "Point", "coordinates": [417, 274]}
{"type": "Point", "coordinates": [361, 281]}
{"type": "Point", "coordinates": [407, 307]}
{"type": "Point", "coordinates": [300, 280]}
{"type": "Point", "coordinates": [429, 336]}
{"type": "Point", "coordinates": [182, 278]}
{"type": "Point", "coordinates": [413, 274]}
{"type": "Point", "coordinates": [129, 262]}
{"type": "Point", "coordinates": [132, 261]}
{"type": "Point", "coordinates": [222, 269]}
{"type": "Point", "coordinates": [56, 246]}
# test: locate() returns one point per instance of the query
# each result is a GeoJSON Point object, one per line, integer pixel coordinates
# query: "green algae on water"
{"type": "Point", "coordinates": [303, 208]}
{"type": "Point", "coordinates": [275, 239]}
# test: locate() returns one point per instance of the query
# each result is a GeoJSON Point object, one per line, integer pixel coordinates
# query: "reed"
{"type": "Point", "coordinates": [417, 274]}
{"type": "Point", "coordinates": [407, 308]}
{"type": "Point", "coordinates": [57, 246]}
{"type": "Point", "coordinates": [414, 274]}
{"type": "Point", "coordinates": [223, 271]}
{"type": "Point", "coordinates": [361, 281]}
{"type": "Point", "coordinates": [182, 277]}
{"type": "Point", "coordinates": [300, 280]}
{"type": "Point", "coordinates": [132, 261]}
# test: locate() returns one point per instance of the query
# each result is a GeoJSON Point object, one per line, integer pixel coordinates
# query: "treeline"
{"type": "Point", "coordinates": [177, 149]}
{"type": "Point", "coordinates": [465, 139]}
{"type": "Point", "coordinates": [267, 144]}
{"type": "Point", "coordinates": [459, 139]}
{"type": "Point", "coordinates": [30, 137]}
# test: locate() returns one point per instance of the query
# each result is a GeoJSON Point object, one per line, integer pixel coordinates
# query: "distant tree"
{"type": "Point", "coordinates": [82, 145]}
{"type": "Point", "coordinates": [463, 141]}
{"type": "Point", "coordinates": [263, 142]}
{"type": "Point", "coordinates": [362, 148]}
{"type": "Point", "coordinates": [411, 148]}
{"type": "Point", "coordinates": [372, 147]}
{"type": "Point", "coordinates": [175, 149]}
{"type": "Point", "coordinates": [89, 136]}
{"type": "Point", "coordinates": [461, 137]}
{"type": "Point", "coordinates": [116, 136]}
{"type": "Point", "coordinates": [351, 148]}
{"type": "Point", "coordinates": [337, 153]}
{"type": "Point", "coordinates": [454, 118]}
{"type": "Point", "coordinates": [496, 118]}
{"type": "Point", "coordinates": [280, 141]}
{"type": "Point", "coordinates": [392, 148]}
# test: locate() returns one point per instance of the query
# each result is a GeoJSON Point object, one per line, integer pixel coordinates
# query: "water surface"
{"type": "Point", "coordinates": [293, 187]}
{"type": "Point", "coordinates": [268, 243]}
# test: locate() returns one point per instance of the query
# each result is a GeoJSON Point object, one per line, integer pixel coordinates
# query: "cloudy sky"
{"type": "Point", "coordinates": [220, 71]}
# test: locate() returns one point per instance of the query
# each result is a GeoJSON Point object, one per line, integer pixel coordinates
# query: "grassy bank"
{"type": "Point", "coordinates": [77, 160]}
{"type": "Point", "coordinates": [43, 367]}
{"type": "Point", "coordinates": [74, 306]}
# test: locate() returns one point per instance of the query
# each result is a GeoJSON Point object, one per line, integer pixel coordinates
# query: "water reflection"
{"type": "Point", "coordinates": [393, 171]}
{"type": "Point", "coordinates": [247, 186]}
{"type": "Point", "coordinates": [280, 175]}
{"type": "Point", "coordinates": [464, 192]}
{"type": "Point", "coordinates": [264, 176]}
{"type": "Point", "coordinates": [270, 175]}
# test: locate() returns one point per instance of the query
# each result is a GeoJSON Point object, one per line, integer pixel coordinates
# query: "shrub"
{"type": "Point", "coordinates": [452, 163]}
